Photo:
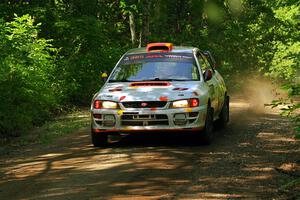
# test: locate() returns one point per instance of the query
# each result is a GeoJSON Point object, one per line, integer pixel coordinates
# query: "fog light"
{"type": "Point", "coordinates": [109, 120]}
{"type": "Point", "coordinates": [180, 119]}
{"type": "Point", "coordinates": [193, 114]}
{"type": "Point", "coordinates": [97, 116]}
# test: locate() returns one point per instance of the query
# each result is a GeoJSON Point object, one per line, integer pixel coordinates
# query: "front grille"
{"type": "Point", "coordinates": [144, 120]}
{"type": "Point", "coordinates": [139, 123]}
{"type": "Point", "coordinates": [144, 117]}
{"type": "Point", "coordinates": [144, 104]}
{"type": "Point", "coordinates": [156, 123]}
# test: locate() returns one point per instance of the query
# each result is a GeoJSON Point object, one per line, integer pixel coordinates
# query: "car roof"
{"type": "Point", "coordinates": [176, 49]}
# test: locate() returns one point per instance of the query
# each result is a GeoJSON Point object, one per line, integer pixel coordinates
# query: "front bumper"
{"type": "Point", "coordinates": [133, 120]}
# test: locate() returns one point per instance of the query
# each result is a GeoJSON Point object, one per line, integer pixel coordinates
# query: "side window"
{"type": "Point", "coordinates": [203, 63]}
{"type": "Point", "coordinates": [195, 73]}
{"type": "Point", "coordinates": [209, 65]}
{"type": "Point", "coordinates": [210, 59]}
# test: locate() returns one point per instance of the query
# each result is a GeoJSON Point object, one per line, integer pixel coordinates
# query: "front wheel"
{"type": "Point", "coordinates": [208, 129]}
{"type": "Point", "coordinates": [224, 114]}
{"type": "Point", "coordinates": [99, 139]}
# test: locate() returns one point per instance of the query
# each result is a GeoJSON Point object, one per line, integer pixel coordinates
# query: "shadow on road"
{"type": "Point", "coordinates": [240, 163]}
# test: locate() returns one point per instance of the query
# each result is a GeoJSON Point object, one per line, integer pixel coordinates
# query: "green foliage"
{"type": "Point", "coordinates": [290, 184]}
{"type": "Point", "coordinates": [60, 126]}
{"type": "Point", "coordinates": [85, 52]}
{"type": "Point", "coordinates": [27, 95]}
{"type": "Point", "coordinates": [285, 64]}
{"type": "Point", "coordinates": [55, 60]}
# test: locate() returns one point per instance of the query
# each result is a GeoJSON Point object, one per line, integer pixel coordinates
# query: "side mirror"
{"type": "Point", "coordinates": [207, 75]}
{"type": "Point", "coordinates": [104, 76]}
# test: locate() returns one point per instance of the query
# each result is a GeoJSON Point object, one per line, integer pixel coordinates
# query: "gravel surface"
{"type": "Point", "coordinates": [255, 157]}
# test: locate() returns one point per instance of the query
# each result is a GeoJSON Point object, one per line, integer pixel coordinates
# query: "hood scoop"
{"type": "Point", "coordinates": [150, 84]}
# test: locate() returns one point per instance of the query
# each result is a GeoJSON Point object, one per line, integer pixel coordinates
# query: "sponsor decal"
{"type": "Point", "coordinates": [148, 57]}
{"type": "Point", "coordinates": [154, 56]}
{"type": "Point", "coordinates": [120, 112]}
{"type": "Point", "coordinates": [144, 104]}
{"type": "Point", "coordinates": [122, 98]}
{"type": "Point", "coordinates": [196, 93]}
{"type": "Point", "coordinates": [178, 56]}
{"type": "Point", "coordinates": [163, 98]}
{"type": "Point", "coordinates": [188, 110]}
{"type": "Point", "coordinates": [180, 89]}
{"type": "Point", "coordinates": [116, 89]}
{"type": "Point", "coordinates": [136, 57]}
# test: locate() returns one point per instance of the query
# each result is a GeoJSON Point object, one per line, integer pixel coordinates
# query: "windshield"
{"type": "Point", "coordinates": [156, 67]}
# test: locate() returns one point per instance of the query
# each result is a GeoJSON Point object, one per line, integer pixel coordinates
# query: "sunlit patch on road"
{"type": "Point", "coordinates": [244, 162]}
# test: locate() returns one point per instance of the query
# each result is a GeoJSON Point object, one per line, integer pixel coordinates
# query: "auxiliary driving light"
{"type": "Point", "coordinates": [109, 120]}
{"type": "Point", "coordinates": [180, 119]}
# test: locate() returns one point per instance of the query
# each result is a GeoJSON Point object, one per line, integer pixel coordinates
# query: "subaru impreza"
{"type": "Point", "coordinates": [160, 87]}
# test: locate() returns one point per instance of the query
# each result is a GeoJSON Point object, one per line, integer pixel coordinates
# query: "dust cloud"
{"type": "Point", "coordinates": [258, 92]}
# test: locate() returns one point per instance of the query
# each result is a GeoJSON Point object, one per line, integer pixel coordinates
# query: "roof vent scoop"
{"type": "Point", "coordinates": [159, 47]}
{"type": "Point", "coordinates": [150, 83]}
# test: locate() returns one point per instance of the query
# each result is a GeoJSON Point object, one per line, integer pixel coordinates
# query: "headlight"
{"type": "Point", "coordinates": [180, 104]}
{"type": "Point", "coordinates": [185, 103]}
{"type": "Point", "coordinates": [109, 105]}
{"type": "Point", "coordinates": [105, 104]}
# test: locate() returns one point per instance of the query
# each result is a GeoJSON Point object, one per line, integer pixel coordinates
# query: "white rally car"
{"type": "Point", "coordinates": [160, 88]}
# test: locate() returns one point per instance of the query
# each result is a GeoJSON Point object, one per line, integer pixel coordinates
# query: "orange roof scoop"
{"type": "Point", "coordinates": [159, 47]}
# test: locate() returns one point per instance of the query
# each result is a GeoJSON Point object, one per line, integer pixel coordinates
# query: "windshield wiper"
{"type": "Point", "coordinates": [121, 80]}
{"type": "Point", "coordinates": [167, 79]}
{"type": "Point", "coordinates": [174, 79]}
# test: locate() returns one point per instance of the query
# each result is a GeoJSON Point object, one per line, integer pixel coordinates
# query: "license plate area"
{"type": "Point", "coordinates": [144, 120]}
{"type": "Point", "coordinates": [143, 117]}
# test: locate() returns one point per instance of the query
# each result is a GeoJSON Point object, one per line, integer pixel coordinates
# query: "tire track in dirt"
{"type": "Point", "coordinates": [242, 163]}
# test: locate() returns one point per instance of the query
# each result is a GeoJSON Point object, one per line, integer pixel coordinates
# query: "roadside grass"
{"type": "Point", "coordinates": [297, 129]}
{"type": "Point", "coordinates": [63, 125]}
{"type": "Point", "coordinates": [292, 183]}
{"type": "Point", "coordinates": [290, 186]}
{"type": "Point", "coordinates": [51, 130]}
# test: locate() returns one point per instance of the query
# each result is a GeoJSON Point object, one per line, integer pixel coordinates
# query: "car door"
{"type": "Point", "coordinates": [221, 84]}
{"type": "Point", "coordinates": [212, 83]}
{"type": "Point", "coordinates": [218, 86]}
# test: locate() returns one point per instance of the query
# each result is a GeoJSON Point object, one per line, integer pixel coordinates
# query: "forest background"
{"type": "Point", "coordinates": [53, 51]}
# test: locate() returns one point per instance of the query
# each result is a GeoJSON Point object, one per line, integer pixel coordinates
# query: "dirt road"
{"type": "Point", "coordinates": [253, 158]}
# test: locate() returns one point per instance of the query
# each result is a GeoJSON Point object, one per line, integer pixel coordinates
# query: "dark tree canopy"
{"type": "Point", "coordinates": [52, 51]}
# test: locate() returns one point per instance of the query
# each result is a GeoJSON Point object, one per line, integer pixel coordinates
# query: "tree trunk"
{"type": "Point", "coordinates": [145, 33]}
{"type": "Point", "coordinates": [132, 29]}
{"type": "Point", "coordinates": [179, 9]}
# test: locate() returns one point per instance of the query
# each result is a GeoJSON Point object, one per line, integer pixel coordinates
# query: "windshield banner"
{"type": "Point", "coordinates": [157, 57]}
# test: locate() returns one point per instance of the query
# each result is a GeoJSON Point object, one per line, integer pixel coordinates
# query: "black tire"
{"type": "Point", "coordinates": [99, 139]}
{"type": "Point", "coordinates": [207, 135]}
{"type": "Point", "coordinates": [224, 114]}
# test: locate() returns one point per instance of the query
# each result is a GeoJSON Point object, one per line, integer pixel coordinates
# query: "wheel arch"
{"type": "Point", "coordinates": [209, 102]}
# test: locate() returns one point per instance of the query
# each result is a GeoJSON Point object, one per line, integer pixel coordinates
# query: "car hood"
{"type": "Point", "coordinates": [159, 91]}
